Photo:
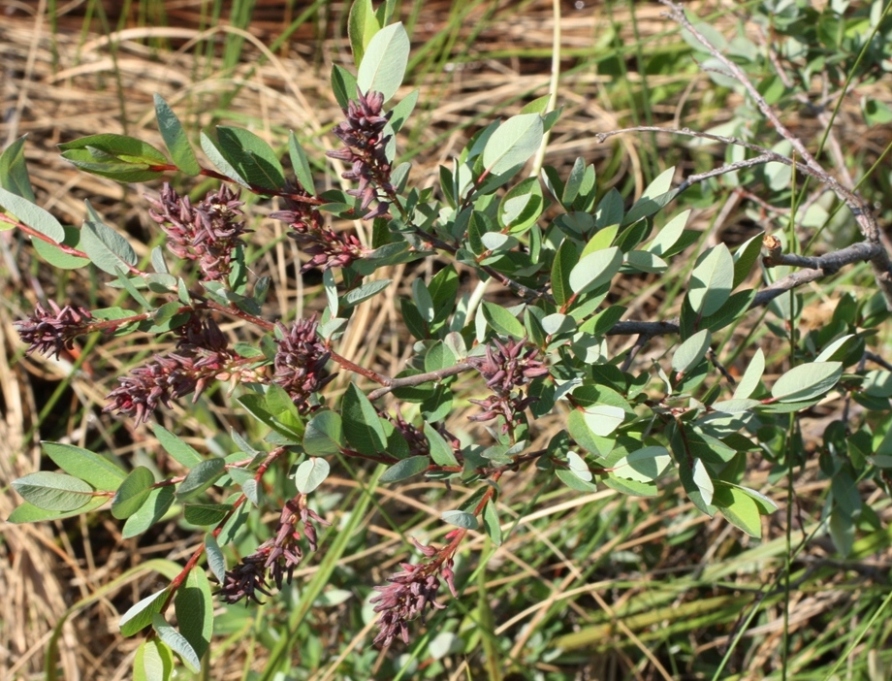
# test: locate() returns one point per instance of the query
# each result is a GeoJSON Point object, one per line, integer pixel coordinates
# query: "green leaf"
{"type": "Point", "coordinates": [29, 513]}
{"type": "Point", "coordinates": [54, 491]}
{"type": "Point", "coordinates": [842, 531]}
{"type": "Point", "coordinates": [153, 662]}
{"type": "Point", "coordinates": [439, 357]}
{"type": "Point", "coordinates": [565, 260]}
{"type": "Point", "coordinates": [875, 111]}
{"type": "Point", "coordinates": [421, 296]}
{"type": "Point", "coordinates": [645, 261]}
{"type": "Point", "coordinates": [577, 426]}
{"type": "Point", "coordinates": [324, 434]}
{"type": "Point", "coordinates": [745, 257]}
{"type": "Point", "coordinates": [84, 464]}
{"type": "Point", "coordinates": [610, 209]}
{"type": "Point", "coordinates": [602, 322]}
{"type": "Point", "coordinates": [202, 476]}
{"type": "Point", "coordinates": [491, 524]}
{"type": "Point", "coordinates": [127, 150]}
{"type": "Point", "coordinates": [364, 292]}
{"type": "Point", "coordinates": [58, 258]}
{"type": "Point", "coordinates": [183, 453]}
{"type": "Point", "coordinates": [221, 163]}
{"type": "Point", "coordinates": [206, 514]}
{"type": "Point", "coordinates": [739, 508]}
{"type": "Point", "coordinates": [107, 249]}
{"type": "Point", "coordinates": [574, 182]}
{"type": "Point", "coordinates": [175, 138]}
{"type": "Point", "coordinates": [462, 519]}
{"type": "Point", "coordinates": [194, 606]}
{"type": "Point", "coordinates": [697, 483]}
{"type": "Point", "coordinates": [557, 324]}
{"type": "Point", "coordinates": [521, 206]}
{"type": "Point", "coordinates": [414, 465]}
{"type": "Point", "coordinates": [310, 474]}
{"type": "Point", "coordinates": [502, 321]}
{"type": "Point", "coordinates": [578, 466]}
{"type": "Point", "coordinates": [384, 62]}
{"type": "Point", "coordinates": [669, 235]}
{"type": "Point", "coordinates": [32, 215]}
{"type": "Point", "coordinates": [644, 465]}
{"type": "Point", "coordinates": [95, 162]}
{"type": "Point", "coordinates": [401, 112]}
{"type": "Point", "coordinates": [691, 351]}
{"type": "Point", "coordinates": [573, 481]}
{"type": "Point", "coordinates": [301, 164]}
{"type": "Point", "coordinates": [177, 643]}
{"type": "Point", "coordinates": [248, 484]}
{"type": "Point", "coordinates": [286, 417]}
{"type": "Point", "coordinates": [632, 487]}
{"type": "Point", "coordinates": [440, 450]}
{"type": "Point", "coordinates": [712, 281]}
{"type": "Point", "coordinates": [253, 159]}
{"type": "Point", "coordinates": [603, 419]}
{"type": "Point", "coordinates": [362, 427]}
{"type": "Point", "coordinates": [654, 197]}
{"type": "Point", "coordinates": [257, 407]}
{"type": "Point", "coordinates": [216, 560]}
{"type": "Point", "coordinates": [156, 505]}
{"type": "Point", "coordinates": [807, 381]}
{"type": "Point", "coordinates": [132, 493]}
{"type": "Point", "coordinates": [513, 143]}
{"type": "Point", "coordinates": [362, 25]}
{"type": "Point", "coordinates": [139, 615]}
{"type": "Point", "coordinates": [841, 348]}
{"type": "Point", "coordinates": [14, 172]}
{"type": "Point", "coordinates": [343, 84]}
{"type": "Point", "coordinates": [595, 269]}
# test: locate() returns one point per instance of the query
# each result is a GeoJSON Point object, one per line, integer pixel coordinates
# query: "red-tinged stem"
{"type": "Point", "coordinates": [34, 234]}
{"type": "Point", "coordinates": [418, 379]}
{"type": "Point", "coordinates": [112, 324]}
{"type": "Point", "coordinates": [241, 314]}
{"type": "Point", "coordinates": [362, 371]}
{"type": "Point", "coordinates": [177, 581]}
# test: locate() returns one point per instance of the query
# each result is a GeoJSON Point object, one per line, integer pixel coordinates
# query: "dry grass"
{"type": "Point", "coordinates": [63, 85]}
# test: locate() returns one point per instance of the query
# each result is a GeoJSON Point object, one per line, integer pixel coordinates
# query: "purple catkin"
{"type": "Point", "coordinates": [300, 362]}
{"type": "Point", "coordinates": [276, 557]}
{"type": "Point", "coordinates": [410, 593]}
{"type": "Point", "coordinates": [207, 232]}
{"type": "Point", "coordinates": [366, 150]}
{"type": "Point", "coordinates": [52, 331]}
{"type": "Point", "coordinates": [200, 356]}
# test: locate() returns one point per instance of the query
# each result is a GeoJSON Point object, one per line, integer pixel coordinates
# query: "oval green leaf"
{"type": "Point", "coordinates": [712, 281]}
{"type": "Point", "coordinates": [54, 491]}
{"type": "Point", "coordinates": [32, 215]}
{"type": "Point", "coordinates": [595, 269]}
{"type": "Point", "coordinates": [310, 474]}
{"type": "Point", "coordinates": [384, 62]}
{"type": "Point", "coordinates": [133, 492]}
{"type": "Point", "coordinates": [324, 434]}
{"type": "Point", "coordinates": [807, 381]}
{"type": "Point", "coordinates": [175, 138]}
{"type": "Point", "coordinates": [84, 464]}
{"type": "Point", "coordinates": [202, 476]}
{"type": "Point", "coordinates": [406, 468]}
{"type": "Point", "coordinates": [362, 427]}
{"type": "Point", "coordinates": [689, 353]}
{"type": "Point", "coordinates": [513, 143]}
{"type": "Point", "coordinates": [462, 519]}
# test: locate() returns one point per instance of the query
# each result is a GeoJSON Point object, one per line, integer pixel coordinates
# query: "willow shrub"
{"type": "Point", "coordinates": [631, 425]}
